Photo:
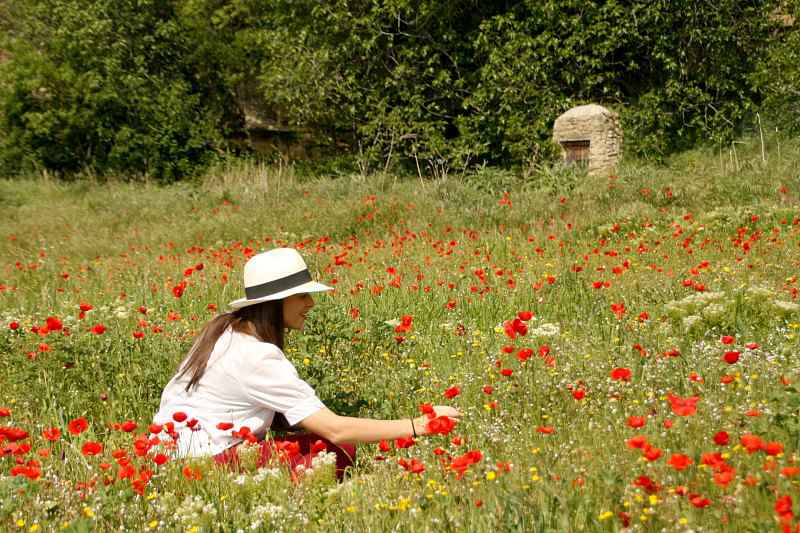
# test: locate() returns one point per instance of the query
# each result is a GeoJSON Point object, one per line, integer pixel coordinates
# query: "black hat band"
{"type": "Point", "coordinates": [278, 285]}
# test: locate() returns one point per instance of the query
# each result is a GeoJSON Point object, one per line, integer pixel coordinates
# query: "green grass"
{"type": "Point", "coordinates": [668, 240]}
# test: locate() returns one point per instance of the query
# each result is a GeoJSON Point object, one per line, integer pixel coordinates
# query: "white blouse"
{"type": "Point", "coordinates": [245, 383]}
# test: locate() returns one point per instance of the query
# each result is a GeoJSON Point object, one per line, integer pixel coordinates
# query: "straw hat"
{"type": "Point", "coordinates": [274, 275]}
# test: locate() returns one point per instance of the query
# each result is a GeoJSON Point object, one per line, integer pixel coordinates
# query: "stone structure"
{"type": "Point", "coordinates": [589, 135]}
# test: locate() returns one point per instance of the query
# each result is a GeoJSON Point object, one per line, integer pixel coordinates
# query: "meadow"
{"type": "Point", "coordinates": [623, 349]}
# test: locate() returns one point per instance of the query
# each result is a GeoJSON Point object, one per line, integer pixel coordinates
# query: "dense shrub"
{"type": "Point", "coordinates": [108, 86]}
{"type": "Point", "coordinates": [154, 86]}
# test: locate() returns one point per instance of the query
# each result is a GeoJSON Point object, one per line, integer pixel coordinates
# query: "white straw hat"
{"type": "Point", "coordinates": [274, 275]}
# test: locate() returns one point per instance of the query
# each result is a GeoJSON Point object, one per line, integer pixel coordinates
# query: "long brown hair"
{"type": "Point", "coordinates": [264, 321]}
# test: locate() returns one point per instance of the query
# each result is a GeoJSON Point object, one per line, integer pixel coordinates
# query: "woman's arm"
{"type": "Point", "coordinates": [347, 429]}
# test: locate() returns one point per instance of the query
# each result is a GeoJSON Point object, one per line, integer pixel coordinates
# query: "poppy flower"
{"type": "Point", "coordinates": [727, 339]}
{"type": "Point", "coordinates": [160, 459]}
{"type": "Point", "coordinates": [683, 406]}
{"type": "Point", "coordinates": [224, 426]}
{"type": "Point", "coordinates": [639, 442]}
{"type": "Point", "coordinates": [651, 453]}
{"type": "Point", "coordinates": [53, 323]}
{"type": "Point", "coordinates": [507, 372]}
{"type": "Point", "coordinates": [773, 448]}
{"type": "Point", "coordinates": [384, 446]}
{"type": "Point", "coordinates": [155, 428]}
{"type": "Point", "coordinates": [721, 438]}
{"type": "Point", "coordinates": [579, 394]}
{"type": "Point", "coordinates": [128, 426]}
{"type": "Point", "coordinates": [636, 421]}
{"type": "Point", "coordinates": [51, 434]}
{"type": "Point", "coordinates": [404, 442]}
{"type": "Point", "coordinates": [618, 309]}
{"type": "Point", "coordinates": [98, 329]}
{"type": "Point", "coordinates": [179, 416]}
{"type": "Point", "coordinates": [545, 430]}
{"type": "Point", "coordinates": [91, 448]}
{"type": "Point", "coordinates": [5, 412]}
{"type": "Point", "coordinates": [525, 315]}
{"type": "Point", "coordinates": [441, 425]}
{"type": "Point", "coordinates": [731, 357]}
{"type": "Point", "coordinates": [524, 354]}
{"type": "Point", "coordinates": [318, 446]}
{"type": "Point", "coordinates": [621, 374]}
{"type": "Point", "coordinates": [752, 443]}
{"type": "Point", "coordinates": [699, 502]}
{"type": "Point", "coordinates": [138, 335]}
{"type": "Point", "coordinates": [427, 409]}
{"type": "Point", "coordinates": [678, 461]}
{"type": "Point", "coordinates": [783, 507]}
{"type": "Point", "coordinates": [488, 389]}
{"type": "Point", "coordinates": [77, 426]}
{"type": "Point", "coordinates": [452, 392]}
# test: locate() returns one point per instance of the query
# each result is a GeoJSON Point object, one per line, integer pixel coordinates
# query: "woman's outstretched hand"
{"type": "Point", "coordinates": [448, 411]}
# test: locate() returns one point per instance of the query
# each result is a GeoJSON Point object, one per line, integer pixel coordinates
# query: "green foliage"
{"type": "Point", "coordinates": [778, 75]}
{"type": "Point", "coordinates": [108, 86]}
{"type": "Point", "coordinates": [426, 86]}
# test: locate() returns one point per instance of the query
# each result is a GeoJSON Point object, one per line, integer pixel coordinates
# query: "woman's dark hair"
{"type": "Point", "coordinates": [264, 321]}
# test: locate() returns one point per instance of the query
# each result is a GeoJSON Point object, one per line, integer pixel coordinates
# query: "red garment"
{"type": "Point", "coordinates": [345, 453]}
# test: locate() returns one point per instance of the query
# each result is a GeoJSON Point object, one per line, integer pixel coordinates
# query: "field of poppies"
{"type": "Point", "coordinates": [624, 349]}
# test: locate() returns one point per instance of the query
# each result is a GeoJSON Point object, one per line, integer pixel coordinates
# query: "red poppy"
{"type": "Point", "coordinates": [91, 448]}
{"type": "Point", "coordinates": [452, 392]}
{"type": "Point", "coordinates": [179, 416]}
{"type": "Point", "coordinates": [224, 426]}
{"type": "Point", "coordinates": [13, 326]}
{"type": "Point", "coordinates": [415, 466]}
{"type": "Point", "coordinates": [721, 438]}
{"type": "Point", "coordinates": [384, 446]}
{"type": "Point", "coordinates": [546, 430]}
{"type": "Point", "coordinates": [679, 461]}
{"type": "Point", "coordinates": [507, 372]}
{"type": "Point", "coordinates": [636, 421]}
{"type": "Point", "coordinates": [5, 412]}
{"type": "Point", "coordinates": [138, 335]}
{"type": "Point", "coordinates": [441, 425]}
{"type": "Point", "coordinates": [160, 459]}
{"type": "Point", "coordinates": [488, 389]}
{"type": "Point", "coordinates": [405, 324]}
{"type": "Point", "coordinates": [98, 329]}
{"type": "Point", "coordinates": [727, 339]}
{"type": "Point", "coordinates": [318, 446]}
{"type": "Point", "coordinates": [618, 309]}
{"type": "Point", "coordinates": [724, 476]}
{"type": "Point", "coordinates": [752, 443]}
{"type": "Point", "coordinates": [639, 441]}
{"type": "Point", "coordinates": [85, 307]}
{"type": "Point", "coordinates": [155, 428]}
{"type": "Point", "coordinates": [579, 394]}
{"type": "Point", "coordinates": [525, 315]}
{"type": "Point", "coordinates": [621, 374]}
{"type": "Point", "coordinates": [698, 501]}
{"type": "Point", "coordinates": [53, 323]}
{"type": "Point", "coordinates": [731, 357]}
{"type": "Point", "coordinates": [651, 453]}
{"type": "Point", "coordinates": [783, 508]}
{"type": "Point", "coordinates": [683, 406]}
{"type": "Point", "coordinates": [128, 426]}
{"type": "Point", "coordinates": [51, 434]}
{"type": "Point", "coordinates": [77, 426]}
{"type": "Point", "coordinates": [773, 448]}
{"type": "Point", "coordinates": [524, 354]}
{"type": "Point", "coordinates": [427, 409]}
{"type": "Point", "coordinates": [404, 442]}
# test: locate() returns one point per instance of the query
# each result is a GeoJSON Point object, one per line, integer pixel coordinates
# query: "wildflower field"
{"type": "Point", "coordinates": [624, 349]}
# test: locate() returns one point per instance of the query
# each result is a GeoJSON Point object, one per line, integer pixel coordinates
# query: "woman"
{"type": "Point", "coordinates": [236, 379]}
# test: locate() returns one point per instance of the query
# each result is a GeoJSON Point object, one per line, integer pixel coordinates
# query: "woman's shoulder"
{"type": "Point", "coordinates": [248, 346]}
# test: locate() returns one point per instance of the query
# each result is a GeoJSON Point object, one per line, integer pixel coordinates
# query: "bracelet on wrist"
{"type": "Point", "coordinates": [413, 429]}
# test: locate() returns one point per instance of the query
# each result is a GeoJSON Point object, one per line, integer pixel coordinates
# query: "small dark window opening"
{"type": "Point", "coordinates": [577, 152]}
